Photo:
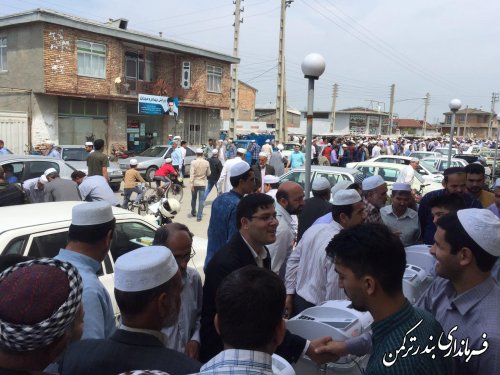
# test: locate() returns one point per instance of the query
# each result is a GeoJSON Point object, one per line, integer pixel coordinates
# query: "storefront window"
{"type": "Point", "coordinates": [357, 124]}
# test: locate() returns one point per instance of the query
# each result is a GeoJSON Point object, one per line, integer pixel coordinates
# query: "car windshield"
{"type": "Point", "coordinates": [289, 146]}
{"type": "Point", "coordinates": [74, 154]}
{"type": "Point", "coordinates": [429, 167]}
{"type": "Point", "coordinates": [155, 151]}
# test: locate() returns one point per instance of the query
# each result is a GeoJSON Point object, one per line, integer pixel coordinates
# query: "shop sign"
{"type": "Point", "coordinates": [158, 105]}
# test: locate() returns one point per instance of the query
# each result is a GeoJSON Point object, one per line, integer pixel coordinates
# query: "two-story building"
{"type": "Point", "coordinates": [69, 80]}
{"type": "Point", "coordinates": [471, 122]}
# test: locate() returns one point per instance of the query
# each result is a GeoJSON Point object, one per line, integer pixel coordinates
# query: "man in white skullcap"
{"type": "Point", "coordinates": [375, 197]}
{"type": "Point", "coordinates": [59, 189]}
{"type": "Point", "coordinates": [40, 314]}
{"type": "Point", "coordinates": [341, 185]}
{"type": "Point", "coordinates": [200, 170]}
{"type": "Point", "coordinates": [131, 181]}
{"type": "Point", "coordinates": [289, 201]}
{"type": "Point", "coordinates": [407, 174]}
{"type": "Point", "coordinates": [51, 150]}
{"type": "Point", "coordinates": [271, 184]}
{"type": "Point", "coordinates": [467, 245]}
{"type": "Point", "coordinates": [278, 161]}
{"type": "Point", "coordinates": [222, 225]}
{"type": "Point", "coordinates": [89, 146]}
{"type": "Point", "coordinates": [147, 290]}
{"type": "Point", "coordinates": [316, 206]}
{"type": "Point", "coordinates": [401, 219]}
{"type": "Point", "coordinates": [89, 238]}
{"type": "Point", "coordinates": [261, 169]}
{"type": "Point", "coordinates": [267, 148]}
{"type": "Point", "coordinates": [224, 184]}
{"type": "Point", "coordinates": [34, 189]}
{"type": "Point", "coordinates": [309, 280]}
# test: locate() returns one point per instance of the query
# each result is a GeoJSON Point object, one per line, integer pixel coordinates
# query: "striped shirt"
{"type": "Point", "coordinates": [239, 362]}
{"type": "Point", "coordinates": [309, 272]}
{"type": "Point", "coordinates": [474, 312]}
{"type": "Point", "coordinates": [372, 213]}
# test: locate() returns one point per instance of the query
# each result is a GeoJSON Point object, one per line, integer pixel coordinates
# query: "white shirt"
{"type": "Point", "coordinates": [309, 272]}
{"type": "Point", "coordinates": [187, 327]}
{"type": "Point", "coordinates": [281, 248]}
{"type": "Point", "coordinates": [376, 151]}
{"type": "Point", "coordinates": [406, 175]}
{"type": "Point", "coordinates": [183, 153]}
{"type": "Point", "coordinates": [224, 184]}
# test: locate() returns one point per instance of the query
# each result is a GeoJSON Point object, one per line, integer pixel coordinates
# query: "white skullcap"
{"type": "Point", "coordinates": [497, 183]}
{"type": "Point", "coordinates": [401, 186]}
{"type": "Point", "coordinates": [320, 183]}
{"type": "Point", "coordinates": [241, 151]}
{"type": "Point", "coordinates": [199, 151]}
{"type": "Point", "coordinates": [268, 141]}
{"type": "Point", "coordinates": [262, 155]}
{"type": "Point", "coordinates": [341, 185]}
{"type": "Point", "coordinates": [144, 268]}
{"type": "Point", "coordinates": [91, 213]}
{"type": "Point", "coordinates": [168, 160]}
{"type": "Point", "coordinates": [483, 226]}
{"type": "Point", "coordinates": [270, 179]}
{"type": "Point", "coordinates": [413, 160]}
{"type": "Point", "coordinates": [239, 168]}
{"type": "Point", "coordinates": [215, 152]}
{"type": "Point", "coordinates": [49, 171]}
{"type": "Point", "coordinates": [346, 197]}
{"type": "Point", "coordinates": [50, 142]}
{"type": "Point", "coordinates": [229, 140]}
{"type": "Point", "coordinates": [372, 182]}
{"type": "Point", "coordinates": [43, 179]}
{"type": "Point", "coordinates": [280, 147]}
{"type": "Point", "coordinates": [253, 141]}
{"type": "Point", "coordinates": [89, 144]}
{"type": "Point", "coordinates": [344, 145]}
{"type": "Point", "coordinates": [133, 162]}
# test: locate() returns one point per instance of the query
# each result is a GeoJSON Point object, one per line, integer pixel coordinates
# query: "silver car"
{"type": "Point", "coordinates": [76, 156]}
{"type": "Point", "coordinates": [25, 167]}
{"type": "Point", "coordinates": [151, 159]}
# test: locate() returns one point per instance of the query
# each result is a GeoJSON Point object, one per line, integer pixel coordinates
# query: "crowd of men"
{"type": "Point", "coordinates": [271, 253]}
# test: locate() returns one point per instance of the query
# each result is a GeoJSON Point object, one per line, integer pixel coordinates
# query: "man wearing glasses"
{"type": "Point", "coordinates": [184, 335]}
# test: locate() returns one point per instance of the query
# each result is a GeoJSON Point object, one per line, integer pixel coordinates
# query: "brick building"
{"type": "Point", "coordinates": [471, 122]}
{"type": "Point", "coordinates": [246, 103]}
{"type": "Point", "coordinates": [70, 79]}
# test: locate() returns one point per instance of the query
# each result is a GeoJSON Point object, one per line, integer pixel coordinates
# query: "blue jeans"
{"type": "Point", "coordinates": [210, 185]}
{"type": "Point", "coordinates": [200, 190]}
{"type": "Point", "coordinates": [128, 192]}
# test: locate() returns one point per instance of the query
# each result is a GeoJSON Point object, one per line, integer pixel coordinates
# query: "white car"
{"type": "Point", "coordinates": [41, 229]}
{"type": "Point", "coordinates": [442, 163]}
{"type": "Point", "coordinates": [428, 172]}
{"type": "Point", "coordinates": [25, 167]}
{"type": "Point", "coordinates": [423, 154]}
{"type": "Point", "coordinates": [390, 173]}
{"type": "Point", "coordinates": [445, 151]}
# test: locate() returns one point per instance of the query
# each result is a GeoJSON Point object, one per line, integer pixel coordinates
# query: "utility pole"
{"type": "Point", "coordinates": [391, 108]}
{"type": "Point", "coordinates": [465, 122]}
{"type": "Point", "coordinates": [494, 99]}
{"type": "Point", "coordinates": [281, 112]}
{"type": "Point", "coordinates": [334, 108]}
{"type": "Point", "coordinates": [426, 106]}
{"type": "Point", "coordinates": [234, 69]}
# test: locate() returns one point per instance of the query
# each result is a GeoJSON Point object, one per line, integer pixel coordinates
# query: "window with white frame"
{"type": "Point", "coordinates": [91, 59]}
{"type": "Point", "coordinates": [214, 78]}
{"type": "Point", "coordinates": [3, 54]}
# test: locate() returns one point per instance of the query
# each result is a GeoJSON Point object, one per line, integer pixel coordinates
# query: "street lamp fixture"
{"type": "Point", "coordinates": [313, 67]}
{"type": "Point", "coordinates": [454, 105]}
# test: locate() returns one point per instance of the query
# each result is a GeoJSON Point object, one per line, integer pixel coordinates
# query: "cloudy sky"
{"type": "Point", "coordinates": [450, 49]}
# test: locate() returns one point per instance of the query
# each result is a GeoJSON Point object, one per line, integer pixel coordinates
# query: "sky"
{"type": "Point", "coordinates": [449, 49]}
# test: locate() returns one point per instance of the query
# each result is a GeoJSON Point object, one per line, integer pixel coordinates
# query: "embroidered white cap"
{"type": "Point", "coordinates": [270, 179]}
{"type": "Point", "coordinates": [401, 186]}
{"type": "Point", "coordinates": [43, 179]}
{"type": "Point", "coordinates": [199, 151]}
{"type": "Point", "coordinates": [320, 183]}
{"type": "Point", "coordinates": [372, 182]}
{"type": "Point", "coordinates": [262, 155]}
{"type": "Point", "coordinates": [241, 151]}
{"type": "Point", "coordinates": [346, 197]}
{"type": "Point", "coordinates": [239, 168]}
{"type": "Point", "coordinates": [215, 152]}
{"type": "Point", "coordinates": [89, 144]}
{"type": "Point", "coordinates": [144, 268]}
{"type": "Point", "coordinates": [341, 185]}
{"type": "Point", "coordinates": [483, 226]}
{"type": "Point", "coordinates": [49, 171]}
{"type": "Point", "coordinates": [133, 162]}
{"type": "Point", "coordinates": [91, 213]}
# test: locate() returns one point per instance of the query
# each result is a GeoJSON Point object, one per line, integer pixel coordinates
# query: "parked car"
{"type": "Point", "coordinates": [31, 166]}
{"type": "Point", "coordinates": [153, 158]}
{"type": "Point", "coordinates": [423, 154]}
{"type": "Point", "coordinates": [428, 172]}
{"type": "Point", "coordinates": [332, 174]}
{"type": "Point", "coordinates": [489, 156]}
{"type": "Point", "coordinates": [76, 156]}
{"type": "Point", "coordinates": [288, 148]}
{"type": "Point", "coordinates": [41, 229]}
{"type": "Point", "coordinates": [442, 163]}
{"type": "Point", "coordinates": [390, 173]}
{"type": "Point", "coordinates": [445, 151]}
{"type": "Point", "coordinates": [474, 158]}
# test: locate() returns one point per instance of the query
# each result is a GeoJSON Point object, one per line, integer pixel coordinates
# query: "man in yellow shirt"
{"type": "Point", "coordinates": [475, 183]}
{"type": "Point", "coordinates": [130, 180]}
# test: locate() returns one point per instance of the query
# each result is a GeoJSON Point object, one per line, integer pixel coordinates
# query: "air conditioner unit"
{"type": "Point", "coordinates": [186, 75]}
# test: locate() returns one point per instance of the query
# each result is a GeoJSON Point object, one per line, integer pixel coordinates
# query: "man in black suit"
{"type": "Point", "coordinates": [148, 285]}
{"type": "Point", "coordinates": [257, 223]}
{"type": "Point", "coordinates": [261, 169]}
{"type": "Point", "coordinates": [316, 206]}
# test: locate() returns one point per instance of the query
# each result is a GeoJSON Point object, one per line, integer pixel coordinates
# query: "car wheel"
{"type": "Point", "coordinates": [150, 174]}
{"type": "Point", "coordinates": [115, 187]}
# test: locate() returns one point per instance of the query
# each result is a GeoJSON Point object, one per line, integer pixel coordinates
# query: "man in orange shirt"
{"type": "Point", "coordinates": [132, 176]}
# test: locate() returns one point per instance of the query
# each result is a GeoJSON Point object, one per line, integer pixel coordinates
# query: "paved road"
{"type": "Point", "coordinates": [198, 228]}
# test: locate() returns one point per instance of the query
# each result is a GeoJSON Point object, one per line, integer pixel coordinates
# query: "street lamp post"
{"type": "Point", "coordinates": [496, 151]}
{"type": "Point", "coordinates": [312, 66]}
{"type": "Point", "coordinates": [454, 105]}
